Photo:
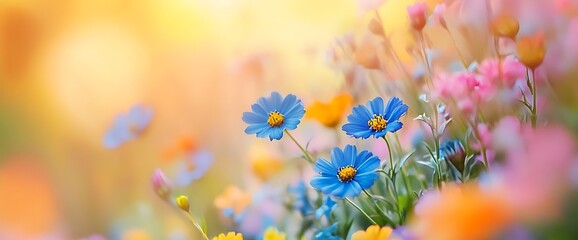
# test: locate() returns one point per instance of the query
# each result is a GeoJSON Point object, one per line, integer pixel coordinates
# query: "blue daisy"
{"type": "Point", "coordinates": [193, 167]}
{"type": "Point", "coordinates": [375, 119]}
{"type": "Point", "coordinates": [347, 174]}
{"type": "Point", "coordinates": [273, 115]}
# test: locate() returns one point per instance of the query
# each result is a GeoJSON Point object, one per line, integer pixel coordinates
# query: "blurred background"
{"type": "Point", "coordinates": [69, 68]}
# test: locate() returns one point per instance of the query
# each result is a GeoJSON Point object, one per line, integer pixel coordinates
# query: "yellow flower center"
{"type": "Point", "coordinates": [346, 174]}
{"type": "Point", "coordinates": [275, 119]}
{"type": "Point", "coordinates": [377, 123]}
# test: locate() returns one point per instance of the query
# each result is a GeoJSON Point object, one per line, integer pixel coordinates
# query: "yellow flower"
{"type": "Point", "coordinates": [330, 114]}
{"type": "Point", "coordinates": [233, 198]}
{"type": "Point", "coordinates": [373, 232]}
{"type": "Point", "coordinates": [531, 50]}
{"type": "Point", "coordinates": [505, 26]}
{"type": "Point", "coordinates": [229, 236]}
{"type": "Point", "coordinates": [266, 167]}
{"type": "Point", "coordinates": [183, 202]}
{"type": "Point", "coordinates": [273, 234]}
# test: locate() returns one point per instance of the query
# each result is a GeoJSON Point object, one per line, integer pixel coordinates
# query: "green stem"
{"type": "Point", "coordinates": [396, 198]}
{"type": "Point", "coordinates": [361, 210]}
{"type": "Point", "coordinates": [534, 107]}
{"type": "Point", "coordinates": [462, 59]}
{"type": "Point", "coordinates": [429, 80]}
{"type": "Point", "coordinates": [197, 225]}
{"type": "Point", "coordinates": [379, 209]}
{"type": "Point", "coordinates": [305, 152]}
{"type": "Point", "coordinates": [390, 153]}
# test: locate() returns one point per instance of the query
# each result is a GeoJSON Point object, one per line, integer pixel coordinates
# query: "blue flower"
{"type": "Point", "coordinates": [193, 167]}
{"type": "Point", "coordinates": [327, 233]}
{"type": "Point", "coordinates": [454, 152]}
{"type": "Point", "coordinates": [326, 208]}
{"type": "Point", "coordinates": [301, 200]}
{"type": "Point", "coordinates": [128, 126]}
{"type": "Point", "coordinates": [375, 119]}
{"type": "Point", "coordinates": [273, 115]}
{"type": "Point", "coordinates": [347, 174]}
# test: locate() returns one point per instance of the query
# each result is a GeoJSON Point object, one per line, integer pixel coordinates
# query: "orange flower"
{"type": "Point", "coordinates": [181, 146]}
{"type": "Point", "coordinates": [330, 114]}
{"type": "Point", "coordinates": [531, 50]}
{"type": "Point", "coordinates": [233, 198]}
{"type": "Point", "coordinates": [373, 232]}
{"type": "Point", "coordinates": [460, 212]}
{"type": "Point", "coordinates": [266, 167]}
{"type": "Point", "coordinates": [505, 26]}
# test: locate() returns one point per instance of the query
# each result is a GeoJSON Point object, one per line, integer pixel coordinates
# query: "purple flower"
{"type": "Point", "coordinates": [193, 167]}
{"type": "Point", "coordinates": [128, 126]}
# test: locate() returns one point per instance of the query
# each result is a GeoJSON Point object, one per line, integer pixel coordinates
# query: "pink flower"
{"type": "Point", "coordinates": [447, 87]}
{"type": "Point", "coordinates": [537, 172]}
{"type": "Point", "coordinates": [417, 15]}
{"type": "Point", "coordinates": [512, 71]}
{"type": "Point", "coordinates": [161, 184]}
{"type": "Point", "coordinates": [438, 14]}
{"type": "Point", "coordinates": [507, 134]}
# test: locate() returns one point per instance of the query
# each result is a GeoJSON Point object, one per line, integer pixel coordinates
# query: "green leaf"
{"type": "Point", "coordinates": [204, 224]}
{"type": "Point", "coordinates": [403, 160]}
{"type": "Point", "coordinates": [476, 168]}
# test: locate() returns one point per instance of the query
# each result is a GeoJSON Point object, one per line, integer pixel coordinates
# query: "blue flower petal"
{"type": "Point", "coordinates": [256, 128]}
{"type": "Point", "coordinates": [253, 118]}
{"type": "Point", "coordinates": [323, 166]}
{"type": "Point", "coordinates": [366, 180]}
{"type": "Point", "coordinates": [276, 100]}
{"type": "Point", "coordinates": [366, 162]}
{"type": "Point", "coordinates": [351, 189]}
{"type": "Point", "coordinates": [397, 113]}
{"type": "Point", "coordinates": [376, 106]}
{"type": "Point", "coordinates": [276, 133]}
{"type": "Point", "coordinates": [392, 104]}
{"type": "Point", "coordinates": [357, 131]}
{"type": "Point", "coordinates": [338, 159]}
{"type": "Point", "coordinates": [393, 127]}
{"type": "Point", "coordinates": [350, 154]}
{"type": "Point", "coordinates": [380, 134]}
{"type": "Point", "coordinates": [288, 103]}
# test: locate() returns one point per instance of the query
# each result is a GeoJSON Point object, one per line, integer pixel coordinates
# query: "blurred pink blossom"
{"type": "Point", "coordinates": [417, 15]}
{"type": "Point", "coordinates": [537, 171]}
{"type": "Point", "coordinates": [511, 70]}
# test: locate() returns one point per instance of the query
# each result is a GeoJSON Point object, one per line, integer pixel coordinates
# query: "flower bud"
{"type": "Point", "coordinates": [161, 184]}
{"type": "Point", "coordinates": [454, 152]}
{"type": "Point", "coordinates": [531, 50]}
{"type": "Point", "coordinates": [376, 27]}
{"type": "Point", "coordinates": [183, 203]}
{"type": "Point", "coordinates": [417, 15]}
{"type": "Point", "coordinates": [505, 26]}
